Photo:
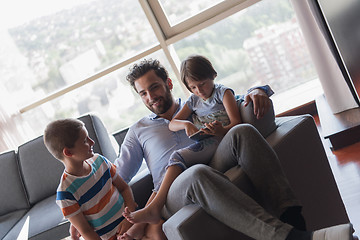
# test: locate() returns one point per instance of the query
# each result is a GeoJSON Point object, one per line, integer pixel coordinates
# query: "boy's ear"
{"type": "Point", "coordinates": [170, 84]}
{"type": "Point", "coordinates": [67, 152]}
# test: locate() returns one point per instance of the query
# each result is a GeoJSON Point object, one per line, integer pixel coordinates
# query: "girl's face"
{"type": "Point", "coordinates": [202, 89]}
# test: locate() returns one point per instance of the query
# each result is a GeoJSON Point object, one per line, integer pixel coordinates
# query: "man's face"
{"type": "Point", "coordinates": [154, 93]}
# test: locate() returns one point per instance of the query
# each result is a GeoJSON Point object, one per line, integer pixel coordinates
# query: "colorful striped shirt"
{"type": "Point", "coordinates": [94, 195]}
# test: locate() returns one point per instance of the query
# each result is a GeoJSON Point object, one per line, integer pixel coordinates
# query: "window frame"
{"type": "Point", "coordinates": [166, 35]}
{"type": "Point", "coordinates": [197, 22]}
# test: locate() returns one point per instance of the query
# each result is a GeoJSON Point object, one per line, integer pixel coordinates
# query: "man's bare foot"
{"type": "Point", "coordinates": [145, 215]}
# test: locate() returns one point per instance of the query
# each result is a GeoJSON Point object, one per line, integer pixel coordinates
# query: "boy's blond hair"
{"type": "Point", "coordinates": [60, 134]}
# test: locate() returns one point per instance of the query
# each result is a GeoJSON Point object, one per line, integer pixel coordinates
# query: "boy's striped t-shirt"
{"type": "Point", "coordinates": [94, 195]}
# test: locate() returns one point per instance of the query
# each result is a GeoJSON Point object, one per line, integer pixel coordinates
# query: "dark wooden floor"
{"type": "Point", "coordinates": [345, 164]}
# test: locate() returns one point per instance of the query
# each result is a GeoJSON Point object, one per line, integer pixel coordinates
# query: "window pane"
{"type": "Point", "coordinates": [111, 98]}
{"type": "Point", "coordinates": [260, 45]}
{"type": "Point", "coordinates": [63, 44]}
{"type": "Point", "coordinates": [178, 11]}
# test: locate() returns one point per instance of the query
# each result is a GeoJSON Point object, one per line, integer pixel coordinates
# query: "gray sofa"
{"type": "Point", "coordinates": [28, 180]}
{"type": "Point", "coordinates": [29, 177]}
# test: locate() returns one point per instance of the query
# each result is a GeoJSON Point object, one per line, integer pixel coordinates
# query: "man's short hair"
{"type": "Point", "coordinates": [196, 68]}
{"type": "Point", "coordinates": [140, 69]}
{"type": "Point", "coordinates": [60, 134]}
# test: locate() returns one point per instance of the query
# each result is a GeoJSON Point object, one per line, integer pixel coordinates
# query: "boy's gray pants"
{"type": "Point", "coordinates": [209, 188]}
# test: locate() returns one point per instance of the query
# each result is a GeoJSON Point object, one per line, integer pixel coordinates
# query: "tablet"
{"type": "Point", "coordinates": [199, 135]}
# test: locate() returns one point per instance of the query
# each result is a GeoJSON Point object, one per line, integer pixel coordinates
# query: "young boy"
{"type": "Point", "coordinates": [90, 194]}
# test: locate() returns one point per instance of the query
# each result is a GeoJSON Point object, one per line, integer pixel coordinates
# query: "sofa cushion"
{"type": "Point", "coordinates": [45, 222]}
{"type": "Point", "coordinates": [41, 171]}
{"type": "Point", "coordinates": [11, 185]}
{"type": "Point", "coordinates": [8, 221]}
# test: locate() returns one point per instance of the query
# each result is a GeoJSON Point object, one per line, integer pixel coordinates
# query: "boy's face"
{"type": "Point", "coordinates": [154, 93]}
{"type": "Point", "coordinates": [83, 148]}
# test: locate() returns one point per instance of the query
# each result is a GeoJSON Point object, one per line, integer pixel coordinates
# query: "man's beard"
{"type": "Point", "coordinates": [166, 103]}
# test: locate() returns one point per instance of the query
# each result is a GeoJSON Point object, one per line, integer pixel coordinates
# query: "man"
{"type": "Point", "coordinates": [150, 139]}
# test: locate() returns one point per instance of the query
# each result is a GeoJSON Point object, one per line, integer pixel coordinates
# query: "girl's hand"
{"type": "Point", "coordinates": [190, 128]}
{"type": "Point", "coordinates": [214, 128]}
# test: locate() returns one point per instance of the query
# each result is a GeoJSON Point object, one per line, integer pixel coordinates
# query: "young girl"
{"type": "Point", "coordinates": [214, 112]}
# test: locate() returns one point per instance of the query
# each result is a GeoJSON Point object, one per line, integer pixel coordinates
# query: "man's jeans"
{"type": "Point", "coordinates": [209, 188]}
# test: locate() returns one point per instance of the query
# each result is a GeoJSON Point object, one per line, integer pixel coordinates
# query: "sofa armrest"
{"type": "Point", "coordinates": [264, 125]}
{"type": "Point", "coordinates": [172, 227]}
{"type": "Point", "coordinates": [301, 153]}
{"type": "Point", "coordinates": [305, 163]}
{"type": "Point", "coordinates": [192, 222]}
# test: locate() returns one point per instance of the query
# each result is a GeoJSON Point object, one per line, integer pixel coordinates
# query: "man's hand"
{"type": "Point", "coordinates": [260, 100]}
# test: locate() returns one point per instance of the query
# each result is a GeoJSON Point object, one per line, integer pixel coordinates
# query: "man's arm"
{"type": "Point", "coordinates": [260, 98]}
{"type": "Point", "coordinates": [131, 156]}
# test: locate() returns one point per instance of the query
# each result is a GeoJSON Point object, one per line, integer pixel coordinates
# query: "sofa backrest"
{"type": "Point", "coordinates": [41, 171]}
{"type": "Point", "coordinates": [98, 132]}
{"type": "Point", "coordinates": [120, 136]}
{"type": "Point", "coordinates": [11, 188]}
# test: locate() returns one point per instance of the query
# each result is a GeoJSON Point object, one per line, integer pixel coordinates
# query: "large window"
{"type": "Point", "coordinates": [110, 97]}
{"type": "Point", "coordinates": [260, 45]}
{"type": "Point", "coordinates": [69, 58]}
{"type": "Point", "coordinates": [59, 48]}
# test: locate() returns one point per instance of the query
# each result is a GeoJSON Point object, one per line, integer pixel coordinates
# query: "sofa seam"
{"type": "Point", "coordinates": [21, 174]}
